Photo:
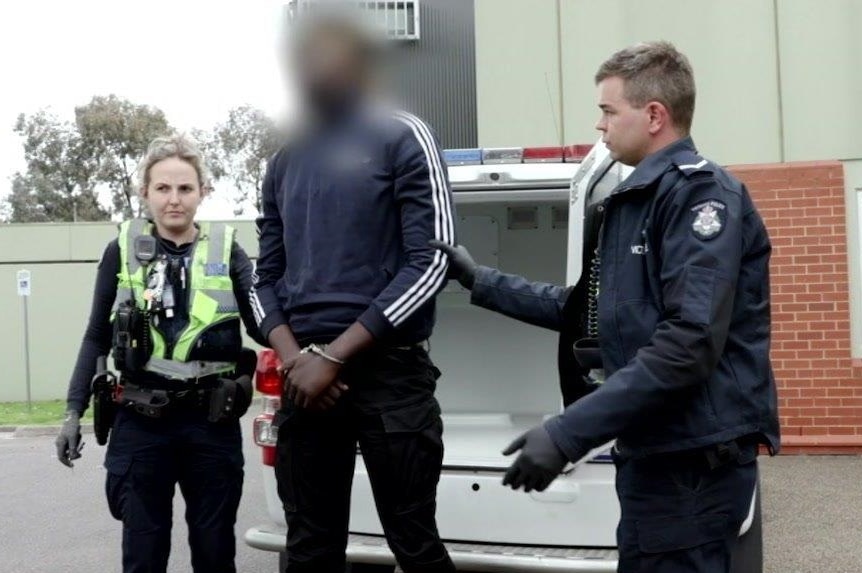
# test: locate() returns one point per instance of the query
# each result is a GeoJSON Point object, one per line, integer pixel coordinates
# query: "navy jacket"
{"type": "Point", "coordinates": [546, 306]}
{"type": "Point", "coordinates": [684, 323]}
{"type": "Point", "coordinates": [348, 210]}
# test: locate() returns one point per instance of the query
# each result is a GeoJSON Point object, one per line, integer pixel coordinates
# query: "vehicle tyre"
{"type": "Point", "coordinates": [748, 554]}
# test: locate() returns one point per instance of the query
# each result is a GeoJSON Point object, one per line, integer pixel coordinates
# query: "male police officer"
{"type": "Point", "coordinates": [345, 272]}
{"type": "Point", "coordinates": [683, 330]}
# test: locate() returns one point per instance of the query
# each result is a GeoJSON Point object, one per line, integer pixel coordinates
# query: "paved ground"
{"type": "Point", "coordinates": [812, 514]}
{"type": "Point", "coordinates": [54, 519]}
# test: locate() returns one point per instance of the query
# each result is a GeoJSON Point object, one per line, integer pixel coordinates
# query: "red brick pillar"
{"type": "Point", "coordinates": [819, 389]}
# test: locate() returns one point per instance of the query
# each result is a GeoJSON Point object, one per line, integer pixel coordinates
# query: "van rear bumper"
{"type": "Point", "coordinates": [473, 557]}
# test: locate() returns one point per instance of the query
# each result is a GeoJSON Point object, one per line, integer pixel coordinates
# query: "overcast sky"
{"type": "Point", "coordinates": [195, 60]}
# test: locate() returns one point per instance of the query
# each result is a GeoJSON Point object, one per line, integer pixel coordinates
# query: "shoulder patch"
{"type": "Point", "coordinates": [708, 219]}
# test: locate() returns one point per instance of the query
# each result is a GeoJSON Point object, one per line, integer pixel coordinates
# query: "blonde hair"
{"type": "Point", "coordinates": [176, 145]}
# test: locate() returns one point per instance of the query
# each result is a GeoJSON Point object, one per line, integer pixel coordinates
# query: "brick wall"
{"type": "Point", "coordinates": [819, 386]}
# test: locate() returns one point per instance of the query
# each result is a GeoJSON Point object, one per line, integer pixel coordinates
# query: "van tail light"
{"type": "Point", "coordinates": [267, 379]}
{"type": "Point", "coordinates": [269, 456]}
{"type": "Point", "coordinates": [265, 434]}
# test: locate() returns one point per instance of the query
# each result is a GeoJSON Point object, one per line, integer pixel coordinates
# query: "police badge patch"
{"type": "Point", "coordinates": [708, 220]}
{"type": "Point", "coordinates": [216, 270]}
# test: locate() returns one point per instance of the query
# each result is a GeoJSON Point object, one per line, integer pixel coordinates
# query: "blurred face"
{"type": "Point", "coordinates": [329, 71]}
{"type": "Point", "coordinates": [173, 195]}
{"type": "Point", "coordinates": [626, 131]}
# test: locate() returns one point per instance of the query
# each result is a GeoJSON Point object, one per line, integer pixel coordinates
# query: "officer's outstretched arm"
{"type": "Point", "coordinates": [699, 230]}
{"type": "Point", "coordinates": [539, 304]}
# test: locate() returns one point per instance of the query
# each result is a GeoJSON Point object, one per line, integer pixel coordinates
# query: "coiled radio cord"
{"type": "Point", "coordinates": [593, 295]}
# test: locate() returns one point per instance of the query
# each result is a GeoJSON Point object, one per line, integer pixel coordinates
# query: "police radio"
{"type": "Point", "coordinates": [145, 248]}
{"type": "Point", "coordinates": [131, 338]}
{"type": "Point", "coordinates": [132, 345]}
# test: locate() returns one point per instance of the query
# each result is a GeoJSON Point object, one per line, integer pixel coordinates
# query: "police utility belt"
{"type": "Point", "coordinates": [198, 383]}
{"type": "Point", "coordinates": [218, 397]}
{"type": "Point", "coordinates": [219, 402]}
{"type": "Point", "coordinates": [739, 451]}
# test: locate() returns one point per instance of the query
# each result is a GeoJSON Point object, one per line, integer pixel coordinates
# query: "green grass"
{"type": "Point", "coordinates": [45, 412]}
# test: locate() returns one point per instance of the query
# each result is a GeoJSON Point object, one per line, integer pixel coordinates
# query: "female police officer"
{"type": "Point", "coordinates": [169, 297]}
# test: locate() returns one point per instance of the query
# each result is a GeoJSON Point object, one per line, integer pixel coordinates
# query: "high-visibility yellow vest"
{"type": "Point", "coordinates": [210, 289]}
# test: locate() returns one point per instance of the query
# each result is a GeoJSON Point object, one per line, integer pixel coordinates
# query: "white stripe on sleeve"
{"type": "Point", "coordinates": [444, 230]}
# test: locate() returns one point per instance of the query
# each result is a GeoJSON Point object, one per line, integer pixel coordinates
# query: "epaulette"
{"type": "Point", "coordinates": [690, 163]}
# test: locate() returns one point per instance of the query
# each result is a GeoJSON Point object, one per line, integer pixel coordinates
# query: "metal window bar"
{"type": "Point", "coordinates": [399, 19]}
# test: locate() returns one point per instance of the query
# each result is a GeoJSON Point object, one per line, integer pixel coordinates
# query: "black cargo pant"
{"type": "Point", "coordinates": [391, 412]}
{"type": "Point", "coordinates": [146, 459]}
{"type": "Point", "coordinates": [679, 515]}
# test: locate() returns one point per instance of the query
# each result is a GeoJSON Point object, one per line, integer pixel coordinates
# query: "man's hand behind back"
{"type": "Point", "coordinates": [308, 376]}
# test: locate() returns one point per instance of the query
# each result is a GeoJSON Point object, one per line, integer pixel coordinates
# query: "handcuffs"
{"type": "Point", "coordinates": [319, 351]}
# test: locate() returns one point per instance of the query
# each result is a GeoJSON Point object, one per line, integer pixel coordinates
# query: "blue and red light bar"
{"type": "Point", "coordinates": [498, 155]}
{"type": "Point", "coordinates": [462, 156]}
{"type": "Point", "coordinates": [509, 155]}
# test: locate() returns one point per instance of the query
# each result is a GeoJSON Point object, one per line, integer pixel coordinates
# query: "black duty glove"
{"type": "Point", "coordinates": [462, 267]}
{"type": "Point", "coordinates": [540, 462]}
{"type": "Point", "coordinates": [69, 442]}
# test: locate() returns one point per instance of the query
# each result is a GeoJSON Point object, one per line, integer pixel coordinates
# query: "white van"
{"type": "Point", "coordinates": [520, 210]}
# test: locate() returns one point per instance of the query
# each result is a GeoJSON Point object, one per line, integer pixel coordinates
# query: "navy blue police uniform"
{"type": "Point", "coordinates": [684, 334]}
{"type": "Point", "coordinates": [148, 456]}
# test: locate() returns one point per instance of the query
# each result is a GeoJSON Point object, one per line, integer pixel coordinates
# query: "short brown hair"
{"type": "Point", "coordinates": [655, 71]}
